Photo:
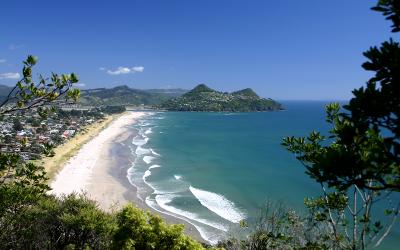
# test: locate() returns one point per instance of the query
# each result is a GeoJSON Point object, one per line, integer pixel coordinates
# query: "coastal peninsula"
{"type": "Point", "coordinates": [203, 98]}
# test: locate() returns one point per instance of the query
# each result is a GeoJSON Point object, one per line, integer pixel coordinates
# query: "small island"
{"type": "Point", "coordinates": [203, 98]}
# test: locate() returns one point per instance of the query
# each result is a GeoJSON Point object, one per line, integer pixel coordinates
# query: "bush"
{"type": "Point", "coordinates": [143, 230]}
{"type": "Point", "coordinates": [280, 228]}
{"type": "Point", "coordinates": [75, 222]}
{"type": "Point", "coordinates": [60, 223]}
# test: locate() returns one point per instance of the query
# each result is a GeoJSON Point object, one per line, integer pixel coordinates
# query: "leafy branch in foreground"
{"type": "Point", "coordinates": [280, 228]}
{"type": "Point", "coordinates": [391, 10]}
{"type": "Point", "coordinates": [28, 94]}
{"type": "Point", "coordinates": [358, 164]}
{"type": "Point", "coordinates": [23, 183]}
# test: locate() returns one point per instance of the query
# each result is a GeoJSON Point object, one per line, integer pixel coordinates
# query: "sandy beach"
{"type": "Point", "coordinates": [64, 152]}
{"type": "Point", "coordinates": [99, 169]}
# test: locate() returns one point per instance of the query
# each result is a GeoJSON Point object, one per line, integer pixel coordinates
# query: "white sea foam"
{"type": "Point", "coordinates": [163, 201]}
{"type": "Point", "coordinates": [148, 159]}
{"type": "Point", "coordinates": [146, 124]}
{"type": "Point", "coordinates": [178, 177]}
{"type": "Point", "coordinates": [142, 151]}
{"type": "Point", "coordinates": [146, 174]}
{"type": "Point", "coordinates": [154, 152]}
{"type": "Point", "coordinates": [218, 204]}
{"type": "Point", "coordinates": [154, 166]}
{"type": "Point", "coordinates": [76, 175]}
{"type": "Point", "coordinates": [139, 140]}
{"type": "Point", "coordinates": [152, 185]}
{"type": "Point", "coordinates": [148, 131]}
{"type": "Point", "coordinates": [210, 237]}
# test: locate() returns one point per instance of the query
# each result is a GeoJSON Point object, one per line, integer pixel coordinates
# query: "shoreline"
{"type": "Point", "coordinates": [99, 170]}
{"type": "Point", "coordinates": [67, 150]}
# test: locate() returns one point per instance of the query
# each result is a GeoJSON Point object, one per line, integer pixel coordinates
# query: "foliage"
{"type": "Point", "coordinates": [16, 178]}
{"type": "Point", "coordinates": [75, 222]}
{"type": "Point", "coordinates": [51, 223]}
{"type": "Point", "coordinates": [17, 126]}
{"type": "Point", "coordinates": [28, 94]}
{"type": "Point", "coordinates": [21, 184]}
{"type": "Point", "coordinates": [143, 230]}
{"type": "Point", "coordinates": [280, 228]}
{"type": "Point", "coordinates": [360, 160]}
{"type": "Point", "coordinates": [112, 109]}
{"type": "Point", "coordinates": [203, 98]}
{"type": "Point", "coordinates": [390, 9]}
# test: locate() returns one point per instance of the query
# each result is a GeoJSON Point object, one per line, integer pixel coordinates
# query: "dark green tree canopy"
{"type": "Point", "coordinates": [366, 135]}
{"type": "Point", "coordinates": [390, 9]}
{"type": "Point", "coordinates": [359, 161]}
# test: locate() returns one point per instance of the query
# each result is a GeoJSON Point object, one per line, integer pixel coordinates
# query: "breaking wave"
{"type": "Point", "coordinates": [218, 204]}
{"type": "Point", "coordinates": [148, 159]}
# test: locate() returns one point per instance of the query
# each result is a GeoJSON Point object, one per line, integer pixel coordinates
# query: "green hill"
{"type": "Point", "coordinates": [4, 90]}
{"type": "Point", "coordinates": [203, 98]}
{"type": "Point", "coordinates": [246, 93]}
{"type": "Point", "coordinates": [124, 95]}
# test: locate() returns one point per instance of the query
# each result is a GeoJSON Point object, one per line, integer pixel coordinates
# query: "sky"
{"type": "Point", "coordinates": [285, 50]}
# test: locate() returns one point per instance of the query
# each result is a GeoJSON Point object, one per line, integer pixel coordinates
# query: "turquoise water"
{"type": "Point", "coordinates": [215, 169]}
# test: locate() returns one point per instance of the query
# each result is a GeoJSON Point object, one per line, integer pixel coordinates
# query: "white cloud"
{"type": "Point", "coordinates": [2, 60]}
{"type": "Point", "coordinates": [138, 68]}
{"type": "Point", "coordinates": [125, 70]}
{"type": "Point", "coordinates": [119, 71]}
{"type": "Point", "coordinates": [102, 68]}
{"type": "Point", "coordinates": [10, 75]}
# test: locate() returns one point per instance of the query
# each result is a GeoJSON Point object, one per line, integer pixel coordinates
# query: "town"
{"type": "Point", "coordinates": [33, 136]}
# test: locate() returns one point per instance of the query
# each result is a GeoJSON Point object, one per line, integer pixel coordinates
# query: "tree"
{"type": "Point", "coordinates": [17, 126]}
{"type": "Point", "coordinates": [279, 228]}
{"type": "Point", "coordinates": [360, 160]}
{"type": "Point", "coordinates": [7, 139]}
{"type": "Point", "coordinates": [28, 94]}
{"type": "Point", "coordinates": [23, 183]}
{"type": "Point", "coordinates": [70, 222]}
{"type": "Point", "coordinates": [143, 230]}
{"type": "Point", "coordinates": [35, 123]}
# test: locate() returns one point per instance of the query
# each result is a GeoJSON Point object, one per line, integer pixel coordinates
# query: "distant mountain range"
{"type": "Point", "coordinates": [4, 90]}
{"type": "Point", "coordinates": [203, 98]}
{"type": "Point", "coordinates": [121, 95]}
{"type": "Point", "coordinates": [124, 95]}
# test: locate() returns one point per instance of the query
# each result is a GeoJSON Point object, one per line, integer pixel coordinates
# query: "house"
{"type": "Point", "coordinates": [54, 131]}
{"type": "Point", "coordinates": [68, 133]}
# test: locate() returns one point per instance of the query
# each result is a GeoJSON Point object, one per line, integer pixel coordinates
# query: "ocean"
{"type": "Point", "coordinates": [215, 169]}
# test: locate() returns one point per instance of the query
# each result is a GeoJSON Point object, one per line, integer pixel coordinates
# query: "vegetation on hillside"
{"type": "Point", "coordinates": [203, 98]}
{"type": "Point", "coordinates": [123, 95]}
{"type": "Point", "coordinates": [75, 222]}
